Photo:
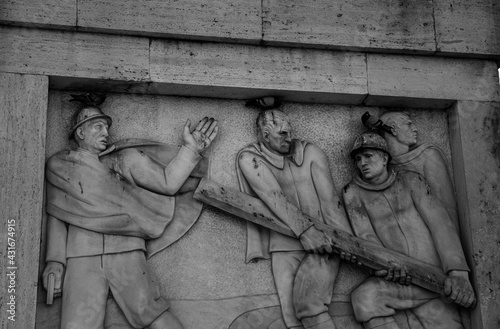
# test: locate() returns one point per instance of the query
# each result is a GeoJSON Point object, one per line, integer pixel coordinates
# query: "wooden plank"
{"type": "Point", "coordinates": [22, 143]}
{"type": "Point", "coordinates": [432, 78]}
{"type": "Point", "coordinates": [46, 13]}
{"type": "Point", "coordinates": [305, 72]}
{"type": "Point", "coordinates": [370, 254]}
{"type": "Point", "coordinates": [475, 146]}
{"type": "Point", "coordinates": [405, 26]}
{"type": "Point", "coordinates": [214, 20]}
{"type": "Point", "coordinates": [468, 27]}
{"type": "Point", "coordinates": [73, 54]}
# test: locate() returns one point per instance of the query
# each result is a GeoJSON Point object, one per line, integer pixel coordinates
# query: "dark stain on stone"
{"type": "Point", "coordinates": [81, 188]}
{"type": "Point", "coordinates": [255, 163]}
{"type": "Point", "coordinates": [491, 125]}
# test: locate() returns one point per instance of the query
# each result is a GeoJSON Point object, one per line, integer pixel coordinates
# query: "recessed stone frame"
{"type": "Point", "coordinates": [474, 138]}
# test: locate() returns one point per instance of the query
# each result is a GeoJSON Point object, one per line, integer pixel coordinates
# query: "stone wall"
{"type": "Point", "coordinates": [165, 61]}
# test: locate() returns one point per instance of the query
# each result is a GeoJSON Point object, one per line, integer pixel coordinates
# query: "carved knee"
{"type": "Point", "coordinates": [365, 299]}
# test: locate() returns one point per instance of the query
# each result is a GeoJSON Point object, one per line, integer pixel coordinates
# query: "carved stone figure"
{"type": "Point", "coordinates": [397, 210]}
{"type": "Point", "coordinates": [290, 175]}
{"type": "Point", "coordinates": [426, 159]}
{"type": "Point", "coordinates": [101, 209]}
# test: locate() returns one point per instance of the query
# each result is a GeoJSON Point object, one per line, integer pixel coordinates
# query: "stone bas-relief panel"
{"type": "Point", "coordinates": [204, 274]}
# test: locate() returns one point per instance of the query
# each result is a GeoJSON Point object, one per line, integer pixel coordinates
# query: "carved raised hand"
{"type": "Point", "coordinates": [202, 136]}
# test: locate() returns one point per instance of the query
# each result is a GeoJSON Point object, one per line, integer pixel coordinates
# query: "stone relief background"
{"type": "Point", "coordinates": [204, 272]}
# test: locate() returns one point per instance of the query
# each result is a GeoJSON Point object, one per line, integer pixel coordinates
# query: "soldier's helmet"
{"type": "Point", "coordinates": [88, 113]}
{"type": "Point", "coordinates": [369, 140]}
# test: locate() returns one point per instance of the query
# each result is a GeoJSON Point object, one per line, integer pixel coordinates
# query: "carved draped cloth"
{"type": "Point", "coordinates": [94, 195]}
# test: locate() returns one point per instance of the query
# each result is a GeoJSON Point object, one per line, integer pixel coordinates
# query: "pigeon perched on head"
{"type": "Point", "coordinates": [89, 99]}
{"type": "Point", "coordinates": [373, 123]}
{"type": "Point", "coordinates": [265, 103]}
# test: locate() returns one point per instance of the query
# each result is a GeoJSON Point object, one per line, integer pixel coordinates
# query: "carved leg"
{"type": "Point", "coordinates": [135, 288]}
{"type": "Point", "coordinates": [285, 265]}
{"type": "Point", "coordinates": [387, 322]}
{"type": "Point", "coordinates": [85, 292]}
{"type": "Point", "coordinates": [313, 290]}
{"type": "Point", "coordinates": [376, 300]}
{"type": "Point", "coordinates": [438, 314]}
{"type": "Point", "coordinates": [166, 321]}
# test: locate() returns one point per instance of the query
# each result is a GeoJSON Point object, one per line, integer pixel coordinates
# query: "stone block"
{"type": "Point", "coordinates": [22, 144]}
{"type": "Point", "coordinates": [299, 74]}
{"type": "Point", "coordinates": [53, 13]}
{"type": "Point", "coordinates": [73, 54]}
{"type": "Point", "coordinates": [431, 78]}
{"type": "Point", "coordinates": [404, 25]}
{"type": "Point", "coordinates": [475, 145]}
{"type": "Point", "coordinates": [235, 20]}
{"type": "Point", "coordinates": [468, 27]}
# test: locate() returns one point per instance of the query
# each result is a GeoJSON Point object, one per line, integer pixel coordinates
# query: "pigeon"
{"type": "Point", "coordinates": [89, 99]}
{"type": "Point", "coordinates": [265, 103]}
{"type": "Point", "coordinates": [373, 123]}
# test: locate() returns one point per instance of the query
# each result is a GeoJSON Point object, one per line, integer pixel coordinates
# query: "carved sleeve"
{"type": "Point", "coordinates": [57, 234]}
{"type": "Point", "coordinates": [436, 172]}
{"type": "Point", "coordinates": [444, 234]}
{"type": "Point", "coordinates": [331, 206]}
{"type": "Point", "coordinates": [266, 187]}
{"type": "Point", "coordinates": [357, 215]}
{"type": "Point", "coordinates": [151, 176]}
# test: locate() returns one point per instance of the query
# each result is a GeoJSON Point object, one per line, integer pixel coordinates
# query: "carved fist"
{"type": "Point", "coordinates": [314, 240]}
{"type": "Point", "coordinates": [58, 270]}
{"type": "Point", "coordinates": [395, 274]}
{"type": "Point", "coordinates": [458, 289]}
{"type": "Point", "coordinates": [202, 136]}
{"type": "Point", "coordinates": [350, 258]}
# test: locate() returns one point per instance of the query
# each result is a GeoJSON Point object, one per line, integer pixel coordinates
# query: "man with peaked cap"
{"type": "Point", "coordinates": [397, 210]}
{"type": "Point", "coordinates": [100, 212]}
{"type": "Point", "coordinates": [280, 170]}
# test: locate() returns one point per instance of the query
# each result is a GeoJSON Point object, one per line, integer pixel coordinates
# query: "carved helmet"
{"type": "Point", "coordinates": [369, 140]}
{"type": "Point", "coordinates": [88, 113]}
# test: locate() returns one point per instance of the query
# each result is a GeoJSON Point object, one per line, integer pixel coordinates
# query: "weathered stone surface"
{"type": "Point", "coordinates": [475, 141]}
{"type": "Point", "coordinates": [382, 25]}
{"type": "Point", "coordinates": [54, 13]}
{"type": "Point", "coordinates": [22, 144]}
{"type": "Point", "coordinates": [398, 76]}
{"type": "Point", "coordinates": [236, 20]}
{"type": "Point", "coordinates": [302, 73]}
{"type": "Point", "coordinates": [468, 27]}
{"type": "Point", "coordinates": [72, 54]}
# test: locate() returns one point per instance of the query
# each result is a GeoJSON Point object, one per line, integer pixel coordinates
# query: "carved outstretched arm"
{"type": "Point", "coordinates": [151, 176]}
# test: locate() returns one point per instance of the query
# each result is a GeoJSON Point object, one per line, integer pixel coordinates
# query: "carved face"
{"type": "Point", "coordinates": [277, 136]}
{"type": "Point", "coordinates": [405, 131]}
{"type": "Point", "coordinates": [372, 165]}
{"type": "Point", "coordinates": [93, 135]}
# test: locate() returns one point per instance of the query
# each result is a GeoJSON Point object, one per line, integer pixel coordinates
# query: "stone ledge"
{"type": "Point", "coordinates": [273, 69]}
{"type": "Point", "coordinates": [70, 54]}
{"type": "Point", "coordinates": [47, 13]}
{"type": "Point", "coordinates": [234, 20]}
{"type": "Point", "coordinates": [365, 25]}
{"type": "Point", "coordinates": [432, 78]}
{"type": "Point", "coordinates": [468, 27]}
